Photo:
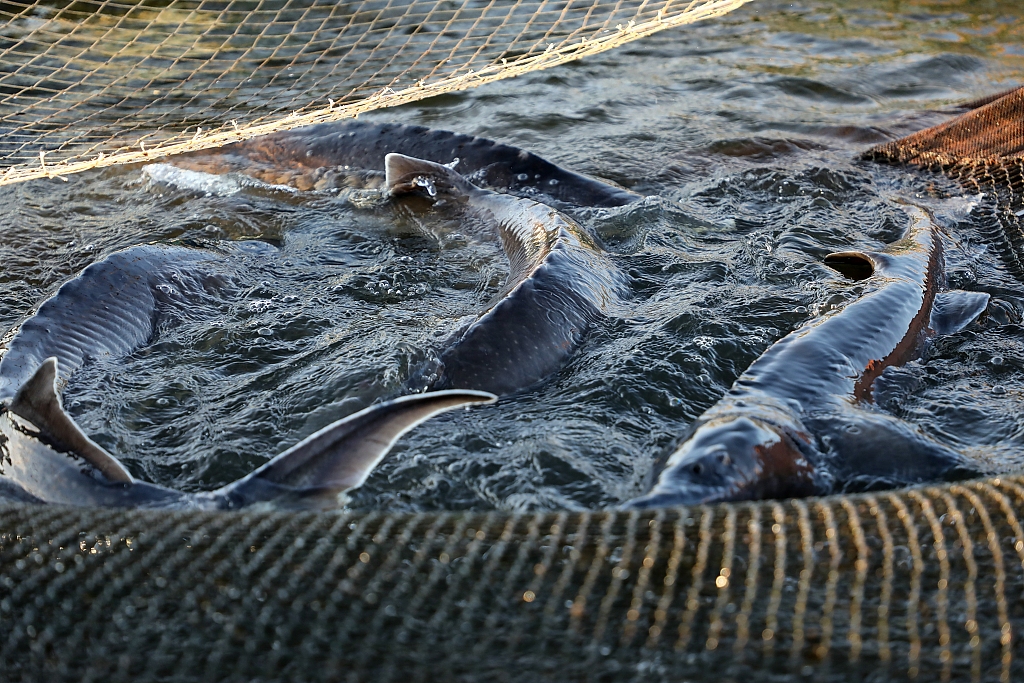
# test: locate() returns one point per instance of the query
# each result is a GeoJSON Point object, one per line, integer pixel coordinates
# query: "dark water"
{"type": "Point", "coordinates": [744, 133]}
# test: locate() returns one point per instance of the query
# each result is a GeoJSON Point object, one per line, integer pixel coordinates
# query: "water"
{"type": "Point", "coordinates": [744, 133]}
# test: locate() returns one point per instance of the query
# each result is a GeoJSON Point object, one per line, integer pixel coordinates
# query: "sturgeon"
{"type": "Point", "coordinates": [800, 422]}
{"type": "Point", "coordinates": [338, 154]}
{"type": "Point", "coordinates": [560, 283]}
{"type": "Point", "coordinates": [112, 309]}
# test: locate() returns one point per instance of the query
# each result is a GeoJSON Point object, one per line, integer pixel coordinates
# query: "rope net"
{"type": "Point", "coordinates": [94, 83]}
{"type": "Point", "coordinates": [982, 149]}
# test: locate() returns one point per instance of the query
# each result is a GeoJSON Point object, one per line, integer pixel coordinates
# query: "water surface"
{"type": "Point", "coordinates": [743, 133]}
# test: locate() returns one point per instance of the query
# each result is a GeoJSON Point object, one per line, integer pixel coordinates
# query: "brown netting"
{"type": "Point", "coordinates": [921, 585]}
{"type": "Point", "coordinates": [95, 83]}
{"type": "Point", "coordinates": [983, 149]}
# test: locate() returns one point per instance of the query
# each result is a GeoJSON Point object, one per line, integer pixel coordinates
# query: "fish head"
{"type": "Point", "coordinates": [738, 457]}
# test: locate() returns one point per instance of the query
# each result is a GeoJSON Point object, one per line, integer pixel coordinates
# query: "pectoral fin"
{"type": "Point", "coordinates": [38, 402]}
{"type": "Point", "coordinates": [955, 310]}
{"type": "Point", "coordinates": [869, 450]}
{"type": "Point", "coordinates": [340, 456]}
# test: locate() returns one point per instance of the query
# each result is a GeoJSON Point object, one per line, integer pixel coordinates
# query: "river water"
{"type": "Point", "coordinates": [744, 134]}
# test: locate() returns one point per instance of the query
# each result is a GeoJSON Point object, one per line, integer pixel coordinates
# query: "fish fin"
{"type": "Point", "coordinates": [340, 456]}
{"type": "Point", "coordinates": [871, 450]}
{"type": "Point", "coordinates": [857, 265]}
{"type": "Point", "coordinates": [38, 402]}
{"type": "Point", "coordinates": [408, 175]}
{"type": "Point", "coordinates": [954, 310]}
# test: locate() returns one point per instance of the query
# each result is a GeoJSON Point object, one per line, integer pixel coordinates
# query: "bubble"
{"type": "Point", "coordinates": [522, 177]}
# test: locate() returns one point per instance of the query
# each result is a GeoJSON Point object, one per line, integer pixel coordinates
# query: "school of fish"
{"type": "Point", "coordinates": [800, 421]}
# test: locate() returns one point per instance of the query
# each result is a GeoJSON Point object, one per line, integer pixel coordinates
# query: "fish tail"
{"type": "Point", "coordinates": [339, 457]}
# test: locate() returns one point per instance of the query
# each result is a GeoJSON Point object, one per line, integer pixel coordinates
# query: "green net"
{"type": "Point", "coordinates": [96, 83]}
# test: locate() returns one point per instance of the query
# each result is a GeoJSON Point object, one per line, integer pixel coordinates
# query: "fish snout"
{"type": "Point", "coordinates": [738, 458]}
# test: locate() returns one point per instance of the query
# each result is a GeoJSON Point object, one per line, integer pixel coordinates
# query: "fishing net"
{"type": "Point", "coordinates": [95, 83]}
{"type": "Point", "coordinates": [922, 584]}
{"type": "Point", "coordinates": [914, 585]}
{"type": "Point", "coordinates": [983, 149]}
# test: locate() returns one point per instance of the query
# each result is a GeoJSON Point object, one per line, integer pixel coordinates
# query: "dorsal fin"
{"type": "Point", "coordinates": [341, 456]}
{"type": "Point", "coordinates": [405, 175]}
{"type": "Point", "coordinates": [38, 402]}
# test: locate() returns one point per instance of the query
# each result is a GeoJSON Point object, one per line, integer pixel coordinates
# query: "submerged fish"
{"type": "Point", "coordinates": [112, 309]}
{"type": "Point", "coordinates": [339, 154]}
{"type": "Point", "coordinates": [560, 282]}
{"type": "Point", "coordinates": [799, 422]}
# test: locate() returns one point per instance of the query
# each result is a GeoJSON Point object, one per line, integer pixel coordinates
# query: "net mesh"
{"type": "Point", "coordinates": [983, 149]}
{"type": "Point", "coordinates": [95, 83]}
{"type": "Point", "coordinates": [914, 585]}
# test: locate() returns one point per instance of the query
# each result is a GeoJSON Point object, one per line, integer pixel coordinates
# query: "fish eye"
{"type": "Point", "coordinates": [697, 468]}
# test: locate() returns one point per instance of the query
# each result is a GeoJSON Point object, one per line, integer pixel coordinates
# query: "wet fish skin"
{"type": "Point", "coordinates": [739, 452]}
{"type": "Point", "coordinates": [799, 422]}
{"type": "Point", "coordinates": [43, 460]}
{"type": "Point", "coordinates": [560, 283]}
{"type": "Point", "coordinates": [36, 469]}
{"type": "Point", "coordinates": [315, 152]}
{"type": "Point", "coordinates": [558, 287]}
{"type": "Point", "coordinates": [112, 309]}
{"type": "Point", "coordinates": [125, 290]}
